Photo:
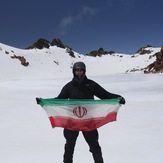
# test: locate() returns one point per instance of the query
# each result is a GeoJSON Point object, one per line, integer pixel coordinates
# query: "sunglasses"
{"type": "Point", "coordinates": [79, 69]}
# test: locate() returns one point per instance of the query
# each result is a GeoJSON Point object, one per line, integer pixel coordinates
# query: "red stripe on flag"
{"type": "Point", "coordinates": [82, 125]}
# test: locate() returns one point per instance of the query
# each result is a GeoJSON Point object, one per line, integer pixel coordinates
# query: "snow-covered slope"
{"type": "Point", "coordinates": [26, 134]}
{"type": "Point", "coordinates": [57, 62]}
{"type": "Point", "coordinates": [27, 137]}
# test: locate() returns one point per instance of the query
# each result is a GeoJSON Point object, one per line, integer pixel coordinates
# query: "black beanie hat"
{"type": "Point", "coordinates": [79, 65]}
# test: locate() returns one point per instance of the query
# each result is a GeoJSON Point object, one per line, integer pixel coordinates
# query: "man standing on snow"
{"type": "Point", "coordinates": [83, 88]}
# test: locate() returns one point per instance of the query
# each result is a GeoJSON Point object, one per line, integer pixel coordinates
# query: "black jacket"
{"type": "Point", "coordinates": [84, 88]}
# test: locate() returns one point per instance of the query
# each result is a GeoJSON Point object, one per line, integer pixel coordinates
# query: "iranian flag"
{"type": "Point", "coordinates": [80, 115]}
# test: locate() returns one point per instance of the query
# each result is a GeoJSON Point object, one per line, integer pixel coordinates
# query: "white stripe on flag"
{"type": "Point", "coordinates": [93, 111]}
{"type": "Point", "coordinates": [80, 115]}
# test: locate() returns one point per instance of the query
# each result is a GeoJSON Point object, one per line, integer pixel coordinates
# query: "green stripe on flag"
{"type": "Point", "coordinates": [66, 102]}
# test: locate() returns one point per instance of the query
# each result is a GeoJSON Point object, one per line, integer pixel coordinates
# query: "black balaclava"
{"type": "Point", "coordinates": [80, 65]}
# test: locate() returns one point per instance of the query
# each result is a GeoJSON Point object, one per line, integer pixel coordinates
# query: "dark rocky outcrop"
{"type": "Point", "coordinates": [6, 52]}
{"type": "Point", "coordinates": [21, 59]}
{"type": "Point", "coordinates": [143, 50]}
{"type": "Point", "coordinates": [156, 66]}
{"type": "Point", "coordinates": [99, 52]}
{"type": "Point", "coordinates": [40, 44]}
{"type": "Point", "coordinates": [57, 42]}
{"type": "Point", "coordinates": [43, 43]}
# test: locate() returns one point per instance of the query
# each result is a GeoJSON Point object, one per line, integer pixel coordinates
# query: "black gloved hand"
{"type": "Point", "coordinates": [122, 101]}
{"type": "Point", "coordinates": [38, 100]}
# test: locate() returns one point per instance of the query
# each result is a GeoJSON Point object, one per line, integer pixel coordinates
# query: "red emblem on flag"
{"type": "Point", "coordinates": [80, 111]}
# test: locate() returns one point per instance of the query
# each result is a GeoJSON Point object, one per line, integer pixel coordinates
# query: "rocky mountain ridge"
{"type": "Point", "coordinates": [146, 59]}
{"type": "Point", "coordinates": [155, 67]}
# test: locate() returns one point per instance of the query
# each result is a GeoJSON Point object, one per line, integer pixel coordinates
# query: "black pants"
{"type": "Point", "coordinates": [91, 138]}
